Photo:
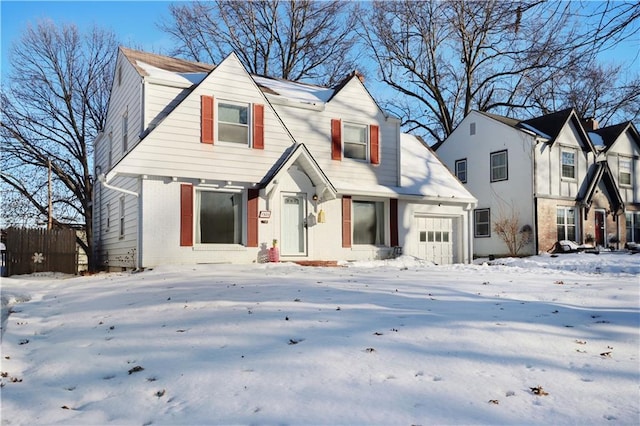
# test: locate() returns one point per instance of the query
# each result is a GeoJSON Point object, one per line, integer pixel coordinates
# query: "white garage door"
{"type": "Point", "coordinates": [435, 239]}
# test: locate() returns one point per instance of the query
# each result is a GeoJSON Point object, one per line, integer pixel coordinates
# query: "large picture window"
{"type": "Point", "coordinates": [233, 123]}
{"type": "Point", "coordinates": [499, 166]}
{"type": "Point", "coordinates": [355, 141]}
{"type": "Point", "coordinates": [218, 217]}
{"type": "Point", "coordinates": [482, 223]}
{"type": "Point", "coordinates": [368, 222]}
{"type": "Point", "coordinates": [566, 223]}
{"type": "Point", "coordinates": [568, 164]}
{"type": "Point", "coordinates": [633, 227]}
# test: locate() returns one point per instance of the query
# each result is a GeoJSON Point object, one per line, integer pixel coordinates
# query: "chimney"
{"type": "Point", "coordinates": [359, 75]}
{"type": "Point", "coordinates": [590, 124]}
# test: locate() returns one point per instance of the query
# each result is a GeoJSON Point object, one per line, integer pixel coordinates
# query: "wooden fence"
{"type": "Point", "coordinates": [41, 250]}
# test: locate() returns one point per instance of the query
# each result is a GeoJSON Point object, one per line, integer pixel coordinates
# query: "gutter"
{"type": "Point", "coordinates": [103, 182]}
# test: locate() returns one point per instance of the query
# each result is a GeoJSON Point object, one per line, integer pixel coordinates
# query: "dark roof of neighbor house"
{"type": "Point", "coordinates": [166, 63]}
{"type": "Point", "coordinates": [549, 124]}
{"type": "Point", "coordinates": [610, 134]}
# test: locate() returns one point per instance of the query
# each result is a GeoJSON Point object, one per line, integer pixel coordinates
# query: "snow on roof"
{"type": "Point", "coordinates": [301, 92]}
{"type": "Point", "coordinates": [171, 76]}
{"type": "Point", "coordinates": [534, 130]}
{"type": "Point", "coordinates": [596, 139]}
{"type": "Point", "coordinates": [423, 173]}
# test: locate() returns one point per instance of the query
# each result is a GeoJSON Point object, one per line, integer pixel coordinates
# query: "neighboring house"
{"type": "Point", "coordinates": [562, 176]}
{"type": "Point", "coordinates": [202, 164]}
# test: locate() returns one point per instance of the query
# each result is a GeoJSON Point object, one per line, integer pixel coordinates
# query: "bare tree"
{"type": "Point", "coordinates": [52, 109]}
{"type": "Point", "coordinates": [509, 229]}
{"type": "Point", "coordinates": [449, 57]}
{"type": "Point", "coordinates": [295, 40]}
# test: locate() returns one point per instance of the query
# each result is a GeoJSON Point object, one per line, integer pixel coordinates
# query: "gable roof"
{"type": "Point", "coordinates": [162, 62]}
{"type": "Point", "coordinates": [603, 174]}
{"type": "Point", "coordinates": [610, 134]}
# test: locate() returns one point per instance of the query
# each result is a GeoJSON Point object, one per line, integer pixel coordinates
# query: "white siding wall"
{"type": "Point", "coordinates": [627, 148]}
{"type": "Point", "coordinates": [492, 136]}
{"type": "Point", "coordinates": [159, 100]}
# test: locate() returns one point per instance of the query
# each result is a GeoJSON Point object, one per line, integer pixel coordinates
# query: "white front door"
{"type": "Point", "coordinates": [294, 230]}
{"type": "Point", "coordinates": [435, 239]}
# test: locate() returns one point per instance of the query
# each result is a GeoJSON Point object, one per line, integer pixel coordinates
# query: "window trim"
{"type": "Point", "coordinates": [630, 171]}
{"type": "Point", "coordinates": [461, 161]}
{"type": "Point", "coordinates": [573, 152]}
{"type": "Point", "coordinates": [218, 121]}
{"type": "Point", "coordinates": [475, 223]}
{"type": "Point", "coordinates": [367, 140]}
{"type": "Point", "coordinates": [506, 165]}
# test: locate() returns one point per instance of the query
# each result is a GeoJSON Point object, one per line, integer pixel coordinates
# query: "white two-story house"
{"type": "Point", "coordinates": [561, 176]}
{"type": "Point", "coordinates": [201, 164]}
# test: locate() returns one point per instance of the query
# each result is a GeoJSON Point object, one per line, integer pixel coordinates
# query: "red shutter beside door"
{"type": "Point", "coordinates": [186, 215]}
{"type": "Point", "coordinates": [374, 144]}
{"type": "Point", "coordinates": [336, 139]}
{"type": "Point", "coordinates": [258, 126]}
{"type": "Point", "coordinates": [346, 221]}
{"type": "Point", "coordinates": [206, 119]}
{"type": "Point", "coordinates": [393, 222]}
{"type": "Point", "coordinates": [252, 217]}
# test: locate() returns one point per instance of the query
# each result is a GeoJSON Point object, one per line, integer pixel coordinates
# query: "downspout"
{"type": "Point", "coordinates": [534, 183]}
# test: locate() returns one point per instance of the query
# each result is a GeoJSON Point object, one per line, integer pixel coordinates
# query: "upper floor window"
{"type": "Point", "coordinates": [568, 158]}
{"type": "Point", "coordinates": [624, 167]}
{"type": "Point", "coordinates": [355, 141]}
{"type": "Point", "coordinates": [233, 123]}
{"type": "Point", "coordinates": [125, 133]}
{"type": "Point", "coordinates": [368, 222]}
{"type": "Point", "coordinates": [499, 166]}
{"type": "Point", "coordinates": [482, 223]}
{"type": "Point", "coordinates": [461, 170]}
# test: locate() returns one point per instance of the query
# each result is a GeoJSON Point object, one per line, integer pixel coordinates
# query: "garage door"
{"type": "Point", "coordinates": [435, 239]}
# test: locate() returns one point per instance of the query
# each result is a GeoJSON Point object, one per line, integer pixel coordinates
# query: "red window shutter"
{"type": "Point", "coordinates": [186, 215]}
{"type": "Point", "coordinates": [393, 221]}
{"type": "Point", "coordinates": [336, 139]}
{"type": "Point", "coordinates": [252, 217]}
{"type": "Point", "coordinates": [258, 126]}
{"type": "Point", "coordinates": [374, 144]}
{"type": "Point", "coordinates": [206, 119]}
{"type": "Point", "coordinates": [346, 221]}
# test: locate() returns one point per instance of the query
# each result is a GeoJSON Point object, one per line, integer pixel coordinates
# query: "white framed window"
{"type": "Point", "coordinates": [125, 133]}
{"type": "Point", "coordinates": [108, 221]}
{"type": "Point", "coordinates": [355, 137]}
{"type": "Point", "coordinates": [233, 122]}
{"type": "Point", "coordinates": [461, 170]}
{"type": "Point", "coordinates": [368, 222]}
{"type": "Point", "coordinates": [499, 166]}
{"type": "Point", "coordinates": [482, 223]}
{"type": "Point", "coordinates": [110, 153]}
{"type": "Point", "coordinates": [632, 221]}
{"type": "Point", "coordinates": [218, 217]}
{"type": "Point", "coordinates": [624, 171]}
{"type": "Point", "coordinates": [566, 223]}
{"type": "Point", "coordinates": [568, 160]}
{"type": "Point", "coordinates": [121, 213]}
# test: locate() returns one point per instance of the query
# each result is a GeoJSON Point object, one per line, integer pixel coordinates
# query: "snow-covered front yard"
{"type": "Point", "coordinates": [542, 340]}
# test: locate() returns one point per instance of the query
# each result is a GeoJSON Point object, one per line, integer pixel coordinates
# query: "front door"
{"type": "Point", "coordinates": [600, 227]}
{"type": "Point", "coordinates": [294, 229]}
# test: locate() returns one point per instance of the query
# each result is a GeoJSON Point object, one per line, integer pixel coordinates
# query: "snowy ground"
{"type": "Point", "coordinates": [395, 342]}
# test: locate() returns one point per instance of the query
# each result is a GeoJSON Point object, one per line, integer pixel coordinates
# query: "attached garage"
{"type": "Point", "coordinates": [436, 239]}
